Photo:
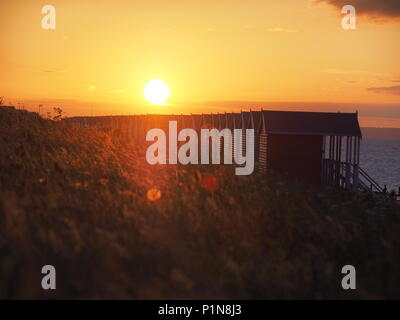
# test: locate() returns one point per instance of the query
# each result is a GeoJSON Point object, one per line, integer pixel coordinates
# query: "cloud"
{"type": "Point", "coordinates": [277, 29]}
{"type": "Point", "coordinates": [54, 71]}
{"type": "Point", "coordinates": [387, 90]}
{"type": "Point", "coordinates": [373, 8]}
{"type": "Point", "coordinates": [356, 72]}
{"type": "Point", "coordinates": [118, 90]}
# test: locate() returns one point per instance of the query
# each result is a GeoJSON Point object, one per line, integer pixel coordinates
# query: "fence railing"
{"type": "Point", "coordinates": [370, 182]}
{"type": "Point", "coordinates": [348, 176]}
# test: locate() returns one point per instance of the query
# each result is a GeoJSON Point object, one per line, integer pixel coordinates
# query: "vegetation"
{"type": "Point", "coordinates": [86, 201]}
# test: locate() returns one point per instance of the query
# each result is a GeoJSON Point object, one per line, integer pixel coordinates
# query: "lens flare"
{"type": "Point", "coordinates": [153, 194]}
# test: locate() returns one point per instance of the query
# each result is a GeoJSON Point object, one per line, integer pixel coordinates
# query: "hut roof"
{"type": "Point", "coordinates": [229, 120]}
{"type": "Point", "coordinates": [237, 119]}
{"type": "Point", "coordinates": [197, 121]}
{"type": "Point", "coordinates": [207, 121]}
{"type": "Point", "coordinates": [312, 123]}
{"type": "Point", "coordinates": [246, 119]}
{"type": "Point", "coordinates": [257, 117]}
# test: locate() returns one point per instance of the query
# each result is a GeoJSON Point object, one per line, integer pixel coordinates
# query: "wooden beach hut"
{"type": "Point", "coordinates": [314, 147]}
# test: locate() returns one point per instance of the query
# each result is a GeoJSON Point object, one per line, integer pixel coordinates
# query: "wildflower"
{"type": "Point", "coordinates": [103, 181]}
{"type": "Point", "coordinates": [209, 182]}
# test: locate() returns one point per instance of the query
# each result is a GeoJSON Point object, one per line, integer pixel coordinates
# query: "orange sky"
{"type": "Point", "coordinates": [102, 53]}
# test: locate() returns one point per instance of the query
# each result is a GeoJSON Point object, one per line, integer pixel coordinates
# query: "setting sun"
{"type": "Point", "coordinates": [156, 92]}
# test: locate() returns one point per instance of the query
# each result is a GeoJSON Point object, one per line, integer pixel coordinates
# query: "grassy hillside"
{"type": "Point", "coordinates": [87, 202]}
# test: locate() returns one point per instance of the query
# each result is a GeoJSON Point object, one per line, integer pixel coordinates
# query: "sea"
{"type": "Point", "coordinates": [380, 158]}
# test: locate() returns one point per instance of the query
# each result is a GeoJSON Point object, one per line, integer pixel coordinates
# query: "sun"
{"type": "Point", "coordinates": [156, 91]}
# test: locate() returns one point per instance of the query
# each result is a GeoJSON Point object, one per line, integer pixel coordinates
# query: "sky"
{"type": "Point", "coordinates": [215, 56]}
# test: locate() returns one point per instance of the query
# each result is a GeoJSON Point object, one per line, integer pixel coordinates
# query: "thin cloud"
{"type": "Point", "coordinates": [118, 90]}
{"type": "Point", "coordinates": [279, 29]}
{"type": "Point", "coordinates": [54, 71]}
{"type": "Point", "coordinates": [374, 8]}
{"type": "Point", "coordinates": [385, 90]}
{"type": "Point", "coordinates": [276, 29]}
{"type": "Point", "coordinates": [356, 72]}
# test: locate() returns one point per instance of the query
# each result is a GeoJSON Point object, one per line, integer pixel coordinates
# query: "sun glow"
{"type": "Point", "coordinates": [156, 92]}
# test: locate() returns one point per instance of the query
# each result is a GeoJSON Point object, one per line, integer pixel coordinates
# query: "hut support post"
{"type": "Point", "coordinates": [348, 165]}
{"type": "Point", "coordinates": [356, 160]}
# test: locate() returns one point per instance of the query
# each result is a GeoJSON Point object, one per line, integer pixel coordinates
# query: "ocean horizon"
{"type": "Point", "coordinates": [379, 157]}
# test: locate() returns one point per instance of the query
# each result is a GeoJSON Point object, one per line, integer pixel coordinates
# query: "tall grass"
{"type": "Point", "coordinates": [87, 202]}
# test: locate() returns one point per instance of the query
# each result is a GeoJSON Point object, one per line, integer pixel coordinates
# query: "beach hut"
{"type": "Point", "coordinates": [314, 147]}
{"type": "Point", "coordinates": [256, 123]}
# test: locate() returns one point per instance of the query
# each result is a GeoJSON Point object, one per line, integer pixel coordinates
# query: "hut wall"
{"type": "Point", "coordinates": [298, 156]}
{"type": "Point", "coordinates": [263, 151]}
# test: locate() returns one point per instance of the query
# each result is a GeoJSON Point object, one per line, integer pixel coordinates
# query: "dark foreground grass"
{"type": "Point", "coordinates": [78, 199]}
